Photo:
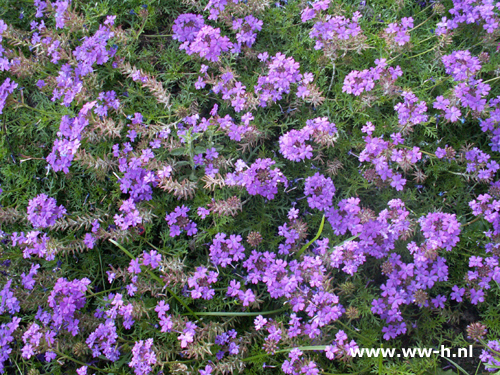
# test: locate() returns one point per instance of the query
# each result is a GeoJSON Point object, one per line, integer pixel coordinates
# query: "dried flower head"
{"type": "Point", "coordinates": [476, 331]}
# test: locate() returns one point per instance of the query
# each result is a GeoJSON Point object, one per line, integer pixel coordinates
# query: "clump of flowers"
{"type": "Point", "coordinates": [65, 299]}
{"type": "Point", "coordinates": [341, 348]}
{"type": "Point", "coordinates": [441, 230]}
{"type": "Point", "coordinates": [398, 33]}
{"type": "Point", "coordinates": [130, 216]}
{"type": "Point", "coordinates": [143, 357]}
{"type": "Point", "coordinates": [103, 341]}
{"type": "Point", "coordinates": [320, 191]}
{"type": "Point", "coordinates": [228, 344]}
{"type": "Point", "coordinates": [187, 26]}
{"type": "Point", "coordinates": [178, 221]}
{"type": "Point", "coordinates": [478, 280]}
{"type": "Point", "coordinates": [259, 178]}
{"type": "Point", "coordinates": [245, 296]}
{"type": "Point", "coordinates": [357, 82]}
{"type": "Point", "coordinates": [283, 73]}
{"type": "Point", "coordinates": [488, 207]}
{"type": "Point", "coordinates": [6, 337]}
{"type": "Point", "coordinates": [479, 164]}
{"type": "Point", "coordinates": [34, 243]}
{"type": "Point", "coordinates": [489, 355]}
{"type": "Point", "coordinates": [246, 28]}
{"type": "Point", "coordinates": [293, 144]}
{"type": "Point", "coordinates": [411, 111]}
{"type": "Point", "coordinates": [166, 323]}
{"type": "Point", "coordinates": [201, 281]}
{"type": "Point", "coordinates": [461, 65]}
{"type": "Point", "coordinates": [225, 250]}
{"type": "Point", "coordinates": [382, 154]}
{"type": "Point", "coordinates": [7, 87]}
{"type": "Point", "coordinates": [208, 44]}
{"type": "Point", "coordinates": [43, 211]}
{"type": "Point", "coordinates": [333, 33]}
{"type": "Point", "coordinates": [465, 12]}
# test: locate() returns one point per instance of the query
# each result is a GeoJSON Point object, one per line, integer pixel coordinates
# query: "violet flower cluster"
{"type": "Point", "coordinates": [178, 221]}
{"type": "Point", "coordinates": [330, 31]}
{"type": "Point", "coordinates": [357, 82]}
{"type": "Point", "coordinates": [398, 33]}
{"type": "Point", "coordinates": [69, 139]}
{"type": "Point", "coordinates": [6, 337]}
{"type": "Point", "coordinates": [464, 11]}
{"type": "Point", "coordinates": [246, 297]}
{"type": "Point", "coordinates": [490, 356]}
{"type": "Point", "coordinates": [208, 43]}
{"type": "Point", "coordinates": [8, 86]}
{"type": "Point", "coordinates": [143, 357]}
{"type": "Point", "coordinates": [319, 191]}
{"type": "Point", "coordinates": [43, 211]}
{"type": "Point", "coordinates": [469, 92]}
{"type": "Point", "coordinates": [228, 344]}
{"type": "Point", "coordinates": [166, 323]}
{"type": "Point", "coordinates": [246, 34]}
{"type": "Point", "coordinates": [411, 111]}
{"type": "Point", "coordinates": [293, 144]}
{"type": "Point", "coordinates": [34, 243]}
{"type": "Point", "coordinates": [259, 178]}
{"type": "Point", "coordinates": [201, 281]}
{"type": "Point", "coordinates": [381, 154]}
{"type": "Point", "coordinates": [226, 250]}
{"type": "Point", "coordinates": [102, 341]}
{"type": "Point", "coordinates": [283, 72]}
{"type": "Point", "coordinates": [65, 299]}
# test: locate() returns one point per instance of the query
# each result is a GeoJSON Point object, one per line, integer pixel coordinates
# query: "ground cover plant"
{"type": "Point", "coordinates": [247, 186]}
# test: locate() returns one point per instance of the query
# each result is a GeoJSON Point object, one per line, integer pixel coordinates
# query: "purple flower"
{"type": "Point", "coordinates": [178, 221]}
{"type": "Point", "coordinates": [208, 43]}
{"type": "Point", "coordinates": [476, 296]}
{"type": "Point", "coordinates": [411, 111]}
{"type": "Point", "coordinates": [320, 191]}
{"type": "Point", "coordinates": [65, 299]}
{"type": "Point", "coordinates": [439, 301]}
{"type": "Point", "coordinates": [43, 211]}
{"type": "Point", "coordinates": [143, 357]}
{"type": "Point", "coordinates": [224, 251]}
{"type": "Point", "coordinates": [457, 293]}
{"type": "Point", "coordinates": [207, 371]}
{"type": "Point", "coordinates": [259, 178]}
{"type": "Point", "coordinates": [27, 280]}
{"type": "Point", "coordinates": [461, 65]}
{"type": "Point", "coordinates": [6, 88]}
{"type": "Point", "coordinates": [187, 26]}
{"type": "Point", "coordinates": [103, 341]}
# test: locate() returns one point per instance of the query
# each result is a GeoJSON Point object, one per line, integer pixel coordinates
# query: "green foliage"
{"type": "Point", "coordinates": [91, 190]}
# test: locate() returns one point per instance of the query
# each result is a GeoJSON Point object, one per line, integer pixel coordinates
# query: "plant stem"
{"type": "Point", "coordinates": [473, 221]}
{"type": "Point", "coordinates": [420, 24]}
{"type": "Point", "coordinates": [304, 248]}
{"type": "Point", "coordinates": [139, 32]}
{"type": "Point", "coordinates": [423, 53]}
{"type": "Point", "coordinates": [37, 110]}
{"type": "Point", "coordinates": [491, 80]}
{"type": "Point", "coordinates": [104, 291]}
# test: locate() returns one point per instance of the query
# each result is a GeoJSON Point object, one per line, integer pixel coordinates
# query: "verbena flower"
{"type": "Point", "coordinates": [43, 211]}
{"type": "Point", "coordinates": [143, 357]}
